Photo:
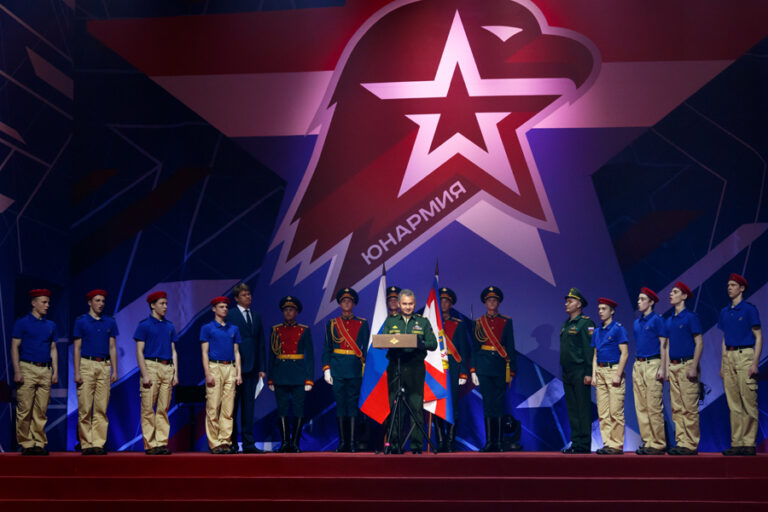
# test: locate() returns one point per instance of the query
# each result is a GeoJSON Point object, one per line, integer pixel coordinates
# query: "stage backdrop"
{"type": "Point", "coordinates": [299, 146]}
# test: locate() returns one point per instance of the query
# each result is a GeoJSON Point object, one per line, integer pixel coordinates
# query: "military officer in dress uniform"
{"type": "Point", "coordinates": [685, 348]}
{"type": "Point", "coordinates": [495, 363]}
{"type": "Point", "coordinates": [649, 373]}
{"type": "Point", "coordinates": [393, 300]}
{"type": "Point", "coordinates": [291, 372]}
{"type": "Point", "coordinates": [156, 357]}
{"type": "Point", "coordinates": [610, 358]}
{"type": "Point", "coordinates": [458, 366]}
{"type": "Point", "coordinates": [220, 345]}
{"type": "Point", "coordinates": [35, 367]}
{"type": "Point", "coordinates": [346, 343]}
{"type": "Point", "coordinates": [95, 364]}
{"type": "Point", "coordinates": [742, 345]}
{"type": "Point", "coordinates": [406, 368]}
{"type": "Point", "coordinates": [576, 356]}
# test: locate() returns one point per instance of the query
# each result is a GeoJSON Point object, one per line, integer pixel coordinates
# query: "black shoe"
{"type": "Point", "coordinates": [252, 449]}
{"type": "Point", "coordinates": [488, 437]}
{"type": "Point", "coordinates": [151, 451]}
{"type": "Point", "coordinates": [35, 450]}
{"type": "Point", "coordinates": [341, 423]}
{"type": "Point", "coordinates": [101, 451]}
{"type": "Point", "coordinates": [748, 451]}
{"type": "Point", "coordinates": [733, 450]}
{"type": "Point", "coordinates": [296, 437]}
{"type": "Point", "coordinates": [285, 435]}
{"type": "Point", "coordinates": [90, 451]}
{"type": "Point", "coordinates": [233, 449]}
{"type": "Point", "coordinates": [450, 438]}
{"type": "Point", "coordinates": [163, 450]}
{"type": "Point", "coordinates": [650, 451]}
{"type": "Point", "coordinates": [680, 450]}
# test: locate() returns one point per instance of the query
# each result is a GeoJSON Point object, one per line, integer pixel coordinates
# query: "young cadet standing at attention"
{"type": "Point", "coordinates": [576, 356]}
{"type": "Point", "coordinates": [35, 366]}
{"type": "Point", "coordinates": [495, 360]}
{"type": "Point", "coordinates": [610, 343]}
{"type": "Point", "coordinates": [411, 368]}
{"type": "Point", "coordinates": [95, 362]}
{"type": "Point", "coordinates": [220, 344]}
{"type": "Point", "coordinates": [291, 371]}
{"type": "Point", "coordinates": [649, 373]}
{"type": "Point", "coordinates": [742, 345]}
{"type": "Point", "coordinates": [346, 342]}
{"type": "Point", "coordinates": [457, 346]}
{"type": "Point", "coordinates": [685, 348]}
{"type": "Point", "coordinates": [156, 356]}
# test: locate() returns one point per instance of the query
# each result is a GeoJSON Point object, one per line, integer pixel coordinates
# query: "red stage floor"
{"type": "Point", "coordinates": [367, 482]}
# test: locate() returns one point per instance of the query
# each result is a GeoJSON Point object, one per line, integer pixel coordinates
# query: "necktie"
{"type": "Point", "coordinates": [248, 319]}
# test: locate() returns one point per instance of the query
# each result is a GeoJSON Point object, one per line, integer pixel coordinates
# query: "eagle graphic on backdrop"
{"type": "Point", "coordinates": [424, 123]}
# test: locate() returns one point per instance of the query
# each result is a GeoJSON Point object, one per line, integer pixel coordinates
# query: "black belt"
{"type": "Point", "coordinates": [219, 361]}
{"type": "Point", "coordinates": [159, 360]}
{"type": "Point", "coordinates": [729, 348]}
{"type": "Point", "coordinates": [97, 359]}
{"type": "Point", "coordinates": [35, 363]}
{"type": "Point", "coordinates": [604, 365]}
{"type": "Point", "coordinates": [681, 360]}
{"type": "Point", "coordinates": [649, 358]}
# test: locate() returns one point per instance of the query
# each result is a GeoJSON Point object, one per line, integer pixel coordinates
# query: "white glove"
{"type": "Point", "coordinates": [475, 380]}
{"type": "Point", "coordinates": [271, 387]}
{"type": "Point", "coordinates": [307, 387]}
{"type": "Point", "coordinates": [327, 377]}
{"type": "Point", "coordinates": [462, 381]}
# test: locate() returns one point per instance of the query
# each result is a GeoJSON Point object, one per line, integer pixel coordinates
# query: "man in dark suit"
{"type": "Point", "coordinates": [252, 362]}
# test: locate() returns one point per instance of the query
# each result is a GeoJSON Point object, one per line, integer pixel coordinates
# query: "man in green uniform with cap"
{"type": "Point", "coordinates": [408, 365]}
{"type": "Point", "coordinates": [346, 342]}
{"type": "Point", "coordinates": [576, 360]}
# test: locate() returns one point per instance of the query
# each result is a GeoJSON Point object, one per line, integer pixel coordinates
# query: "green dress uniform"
{"type": "Point", "coordinates": [576, 360]}
{"type": "Point", "coordinates": [291, 367]}
{"type": "Point", "coordinates": [495, 362]}
{"type": "Point", "coordinates": [346, 344]}
{"type": "Point", "coordinates": [411, 372]}
{"type": "Point", "coordinates": [457, 347]}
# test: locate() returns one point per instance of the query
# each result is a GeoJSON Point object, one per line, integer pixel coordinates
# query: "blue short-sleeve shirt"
{"type": "Point", "coordinates": [647, 330]}
{"type": "Point", "coordinates": [36, 335]}
{"type": "Point", "coordinates": [737, 322]}
{"type": "Point", "coordinates": [681, 329]}
{"type": "Point", "coordinates": [221, 340]}
{"type": "Point", "coordinates": [607, 340]}
{"type": "Point", "coordinates": [157, 336]}
{"type": "Point", "coordinates": [95, 334]}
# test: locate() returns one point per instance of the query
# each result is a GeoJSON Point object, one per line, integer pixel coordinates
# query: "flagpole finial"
{"type": "Point", "coordinates": [437, 271]}
{"type": "Point", "coordinates": [383, 269]}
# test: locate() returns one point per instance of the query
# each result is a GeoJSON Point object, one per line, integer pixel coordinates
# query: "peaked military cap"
{"type": "Point", "coordinates": [447, 293]}
{"type": "Point", "coordinates": [574, 293]}
{"type": "Point", "coordinates": [290, 302]}
{"type": "Point", "coordinates": [347, 293]}
{"type": "Point", "coordinates": [393, 291]}
{"type": "Point", "coordinates": [492, 292]}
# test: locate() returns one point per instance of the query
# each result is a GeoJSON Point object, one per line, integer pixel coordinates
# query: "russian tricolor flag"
{"type": "Point", "coordinates": [437, 399]}
{"type": "Point", "coordinates": [374, 393]}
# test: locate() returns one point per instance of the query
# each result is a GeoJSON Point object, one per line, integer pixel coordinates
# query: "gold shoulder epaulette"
{"type": "Point", "coordinates": [276, 326]}
{"type": "Point", "coordinates": [304, 326]}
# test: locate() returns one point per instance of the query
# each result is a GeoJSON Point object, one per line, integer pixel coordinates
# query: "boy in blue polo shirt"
{"type": "Point", "coordinates": [156, 356]}
{"type": "Point", "coordinates": [742, 345]}
{"type": "Point", "coordinates": [610, 358]}
{"type": "Point", "coordinates": [649, 373]}
{"type": "Point", "coordinates": [220, 344]}
{"type": "Point", "coordinates": [35, 366]}
{"type": "Point", "coordinates": [685, 348]}
{"type": "Point", "coordinates": [95, 362]}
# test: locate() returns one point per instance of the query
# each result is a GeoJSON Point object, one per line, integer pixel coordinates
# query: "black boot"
{"type": "Point", "coordinates": [439, 438]}
{"type": "Point", "coordinates": [285, 433]}
{"type": "Point", "coordinates": [450, 438]}
{"type": "Point", "coordinates": [352, 437]}
{"type": "Point", "coordinates": [488, 436]}
{"type": "Point", "coordinates": [499, 436]}
{"type": "Point", "coordinates": [342, 437]}
{"type": "Point", "coordinates": [296, 438]}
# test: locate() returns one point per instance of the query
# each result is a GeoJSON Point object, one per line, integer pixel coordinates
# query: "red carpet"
{"type": "Point", "coordinates": [367, 482]}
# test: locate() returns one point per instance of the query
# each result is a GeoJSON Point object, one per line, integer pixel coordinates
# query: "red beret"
{"type": "Point", "coordinates": [39, 292]}
{"type": "Point", "coordinates": [739, 279]}
{"type": "Point", "coordinates": [650, 293]}
{"type": "Point", "coordinates": [91, 294]}
{"type": "Point", "coordinates": [607, 302]}
{"type": "Point", "coordinates": [683, 288]}
{"type": "Point", "coordinates": [219, 300]}
{"type": "Point", "coordinates": [154, 296]}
